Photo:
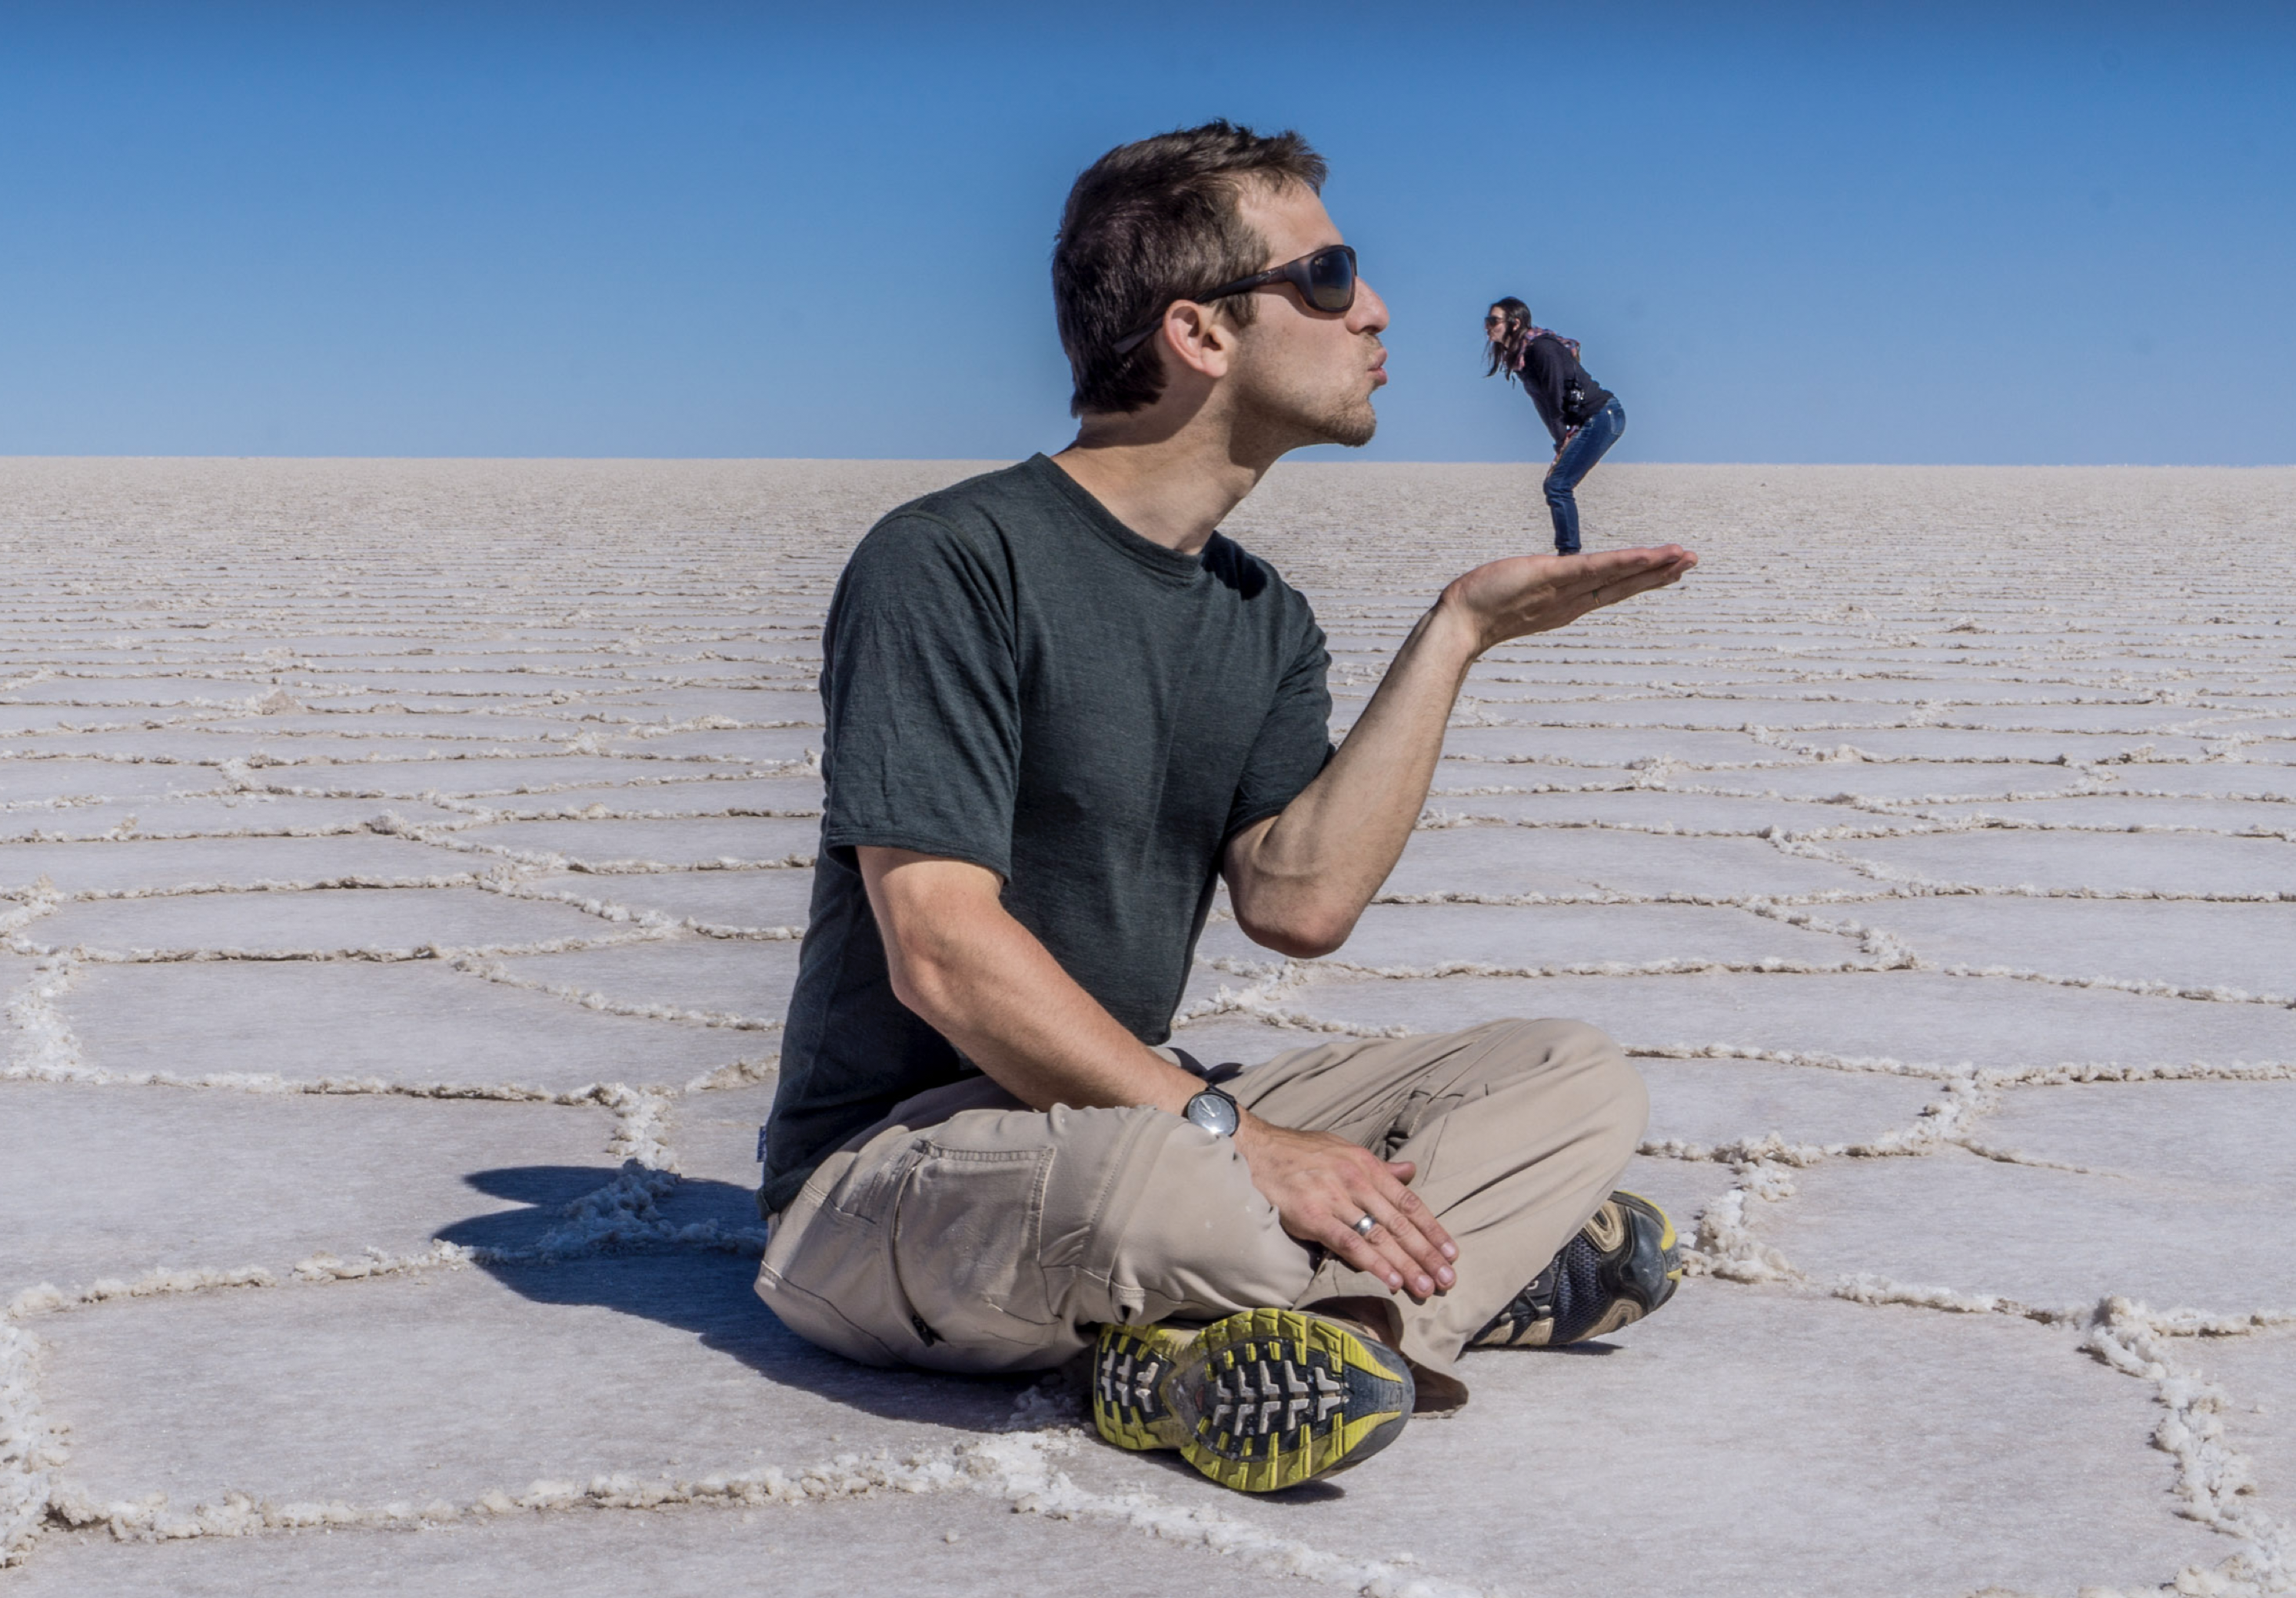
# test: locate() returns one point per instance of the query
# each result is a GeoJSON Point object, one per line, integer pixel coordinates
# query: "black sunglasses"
{"type": "Point", "coordinates": [1327, 281]}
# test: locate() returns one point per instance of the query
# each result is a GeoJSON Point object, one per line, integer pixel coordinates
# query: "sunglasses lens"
{"type": "Point", "coordinates": [1332, 279]}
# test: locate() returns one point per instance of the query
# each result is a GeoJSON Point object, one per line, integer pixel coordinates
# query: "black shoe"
{"type": "Point", "coordinates": [1619, 1266]}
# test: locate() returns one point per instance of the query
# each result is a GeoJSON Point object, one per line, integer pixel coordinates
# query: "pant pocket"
{"type": "Point", "coordinates": [968, 1244]}
{"type": "Point", "coordinates": [827, 1275]}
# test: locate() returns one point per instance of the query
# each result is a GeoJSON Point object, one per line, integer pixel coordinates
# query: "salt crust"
{"type": "Point", "coordinates": [436, 917]}
{"type": "Point", "coordinates": [191, 1176]}
{"type": "Point", "coordinates": [2121, 674]}
{"type": "Point", "coordinates": [1930, 1022]}
{"type": "Point", "coordinates": [124, 863]}
{"type": "Point", "coordinates": [767, 904]}
{"type": "Point", "coordinates": [234, 815]}
{"type": "Point", "coordinates": [1819, 1377]}
{"type": "Point", "coordinates": [740, 981]}
{"type": "Point", "coordinates": [1914, 1219]}
{"type": "Point", "coordinates": [606, 844]}
{"type": "Point", "coordinates": [426, 1022]}
{"type": "Point", "coordinates": [954, 1545]}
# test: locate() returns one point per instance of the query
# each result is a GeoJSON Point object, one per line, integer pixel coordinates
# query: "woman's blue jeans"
{"type": "Point", "coordinates": [1588, 445]}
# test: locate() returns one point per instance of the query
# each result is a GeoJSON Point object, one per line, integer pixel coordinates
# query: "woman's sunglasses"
{"type": "Point", "coordinates": [1327, 281]}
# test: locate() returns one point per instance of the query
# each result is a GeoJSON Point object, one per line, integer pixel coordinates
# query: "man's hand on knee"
{"type": "Point", "coordinates": [1322, 1186]}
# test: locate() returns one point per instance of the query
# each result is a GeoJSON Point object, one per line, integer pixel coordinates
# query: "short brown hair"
{"type": "Point", "coordinates": [1155, 221]}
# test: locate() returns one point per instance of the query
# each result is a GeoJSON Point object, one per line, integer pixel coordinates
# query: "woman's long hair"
{"type": "Point", "coordinates": [1506, 350]}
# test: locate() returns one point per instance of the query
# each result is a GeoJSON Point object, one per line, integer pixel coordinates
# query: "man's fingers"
{"type": "Point", "coordinates": [1592, 590]}
{"type": "Point", "coordinates": [1360, 1254]}
{"type": "Point", "coordinates": [1379, 1252]}
{"type": "Point", "coordinates": [1619, 568]}
{"type": "Point", "coordinates": [1323, 1186]}
{"type": "Point", "coordinates": [1641, 582]}
{"type": "Point", "coordinates": [1415, 1211]}
{"type": "Point", "coordinates": [1615, 561]}
{"type": "Point", "coordinates": [1405, 1249]}
{"type": "Point", "coordinates": [1536, 593]}
{"type": "Point", "coordinates": [1405, 1232]}
{"type": "Point", "coordinates": [1405, 1214]}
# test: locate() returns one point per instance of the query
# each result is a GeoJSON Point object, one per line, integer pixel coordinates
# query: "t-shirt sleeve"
{"type": "Point", "coordinates": [1295, 739]}
{"type": "Point", "coordinates": [921, 688]}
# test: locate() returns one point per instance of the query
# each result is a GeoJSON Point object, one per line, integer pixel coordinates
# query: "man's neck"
{"type": "Point", "coordinates": [1173, 490]}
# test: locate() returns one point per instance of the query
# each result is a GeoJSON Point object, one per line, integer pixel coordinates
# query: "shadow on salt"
{"type": "Point", "coordinates": [705, 1292]}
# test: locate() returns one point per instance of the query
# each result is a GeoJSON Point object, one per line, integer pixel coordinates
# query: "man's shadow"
{"type": "Point", "coordinates": [708, 1293]}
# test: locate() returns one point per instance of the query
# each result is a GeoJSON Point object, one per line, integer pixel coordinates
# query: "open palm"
{"type": "Point", "coordinates": [1536, 594]}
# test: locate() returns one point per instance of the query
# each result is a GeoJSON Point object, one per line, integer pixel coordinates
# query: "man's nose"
{"type": "Point", "coordinates": [1368, 314]}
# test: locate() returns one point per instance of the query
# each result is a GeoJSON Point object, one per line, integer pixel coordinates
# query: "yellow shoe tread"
{"type": "Point", "coordinates": [1127, 1425]}
{"type": "Point", "coordinates": [1244, 1336]}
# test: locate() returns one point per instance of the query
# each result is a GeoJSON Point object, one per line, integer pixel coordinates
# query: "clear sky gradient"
{"type": "Point", "coordinates": [1847, 232]}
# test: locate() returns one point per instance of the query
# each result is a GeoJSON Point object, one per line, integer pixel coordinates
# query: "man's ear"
{"type": "Point", "coordinates": [1198, 338]}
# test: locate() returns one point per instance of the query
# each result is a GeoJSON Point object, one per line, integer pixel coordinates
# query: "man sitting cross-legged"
{"type": "Point", "coordinates": [1060, 706]}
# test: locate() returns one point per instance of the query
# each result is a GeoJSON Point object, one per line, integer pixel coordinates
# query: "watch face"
{"type": "Point", "coordinates": [1215, 1112]}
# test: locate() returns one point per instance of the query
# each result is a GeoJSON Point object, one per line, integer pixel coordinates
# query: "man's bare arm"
{"type": "Point", "coordinates": [982, 981]}
{"type": "Point", "coordinates": [1298, 880]}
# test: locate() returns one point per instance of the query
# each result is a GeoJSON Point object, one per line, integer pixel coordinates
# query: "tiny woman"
{"type": "Point", "coordinates": [1585, 418]}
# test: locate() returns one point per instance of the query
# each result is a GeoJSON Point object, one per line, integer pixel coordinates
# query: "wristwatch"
{"type": "Point", "coordinates": [1215, 1112]}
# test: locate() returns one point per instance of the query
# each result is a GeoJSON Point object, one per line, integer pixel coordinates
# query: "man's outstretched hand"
{"type": "Point", "coordinates": [1536, 594]}
{"type": "Point", "coordinates": [1321, 1185]}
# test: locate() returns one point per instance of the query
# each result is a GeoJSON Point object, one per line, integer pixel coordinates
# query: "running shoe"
{"type": "Point", "coordinates": [1266, 1399]}
{"type": "Point", "coordinates": [1618, 1268]}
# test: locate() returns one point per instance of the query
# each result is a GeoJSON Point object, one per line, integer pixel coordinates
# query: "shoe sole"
{"type": "Point", "coordinates": [1269, 1398]}
{"type": "Point", "coordinates": [1128, 1405]}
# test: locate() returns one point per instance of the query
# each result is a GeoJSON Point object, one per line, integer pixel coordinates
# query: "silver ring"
{"type": "Point", "coordinates": [1367, 1227]}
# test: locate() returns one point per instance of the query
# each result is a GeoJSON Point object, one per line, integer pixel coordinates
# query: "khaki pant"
{"type": "Point", "coordinates": [969, 1232]}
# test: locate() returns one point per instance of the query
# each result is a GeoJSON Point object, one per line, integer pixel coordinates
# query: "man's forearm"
{"type": "Point", "coordinates": [983, 981]}
{"type": "Point", "coordinates": [1303, 879]}
{"type": "Point", "coordinates": [1300, 881]}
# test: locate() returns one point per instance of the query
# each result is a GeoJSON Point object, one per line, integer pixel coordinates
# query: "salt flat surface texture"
{"type": "Point", "coordinates": [401, 870]}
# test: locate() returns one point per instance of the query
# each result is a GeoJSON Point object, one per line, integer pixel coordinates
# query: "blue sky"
{"type": "Point", "coordinates": [1919, 232]}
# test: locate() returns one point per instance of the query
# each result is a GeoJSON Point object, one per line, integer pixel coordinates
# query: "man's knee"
{"type": "Point", "coordinates": [1630, 1095]}
{"type": "Point", "coordinates": [1550, 1042]}
{"type": "Point", "coordinates": [1590, 1064]}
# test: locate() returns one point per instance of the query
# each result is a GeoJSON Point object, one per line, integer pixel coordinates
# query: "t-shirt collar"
{"type": "Point", "coordinates": [1169, 564]}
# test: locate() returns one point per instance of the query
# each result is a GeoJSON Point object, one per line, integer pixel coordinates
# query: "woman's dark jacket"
{"type": "Point", "coordinates": [1559, 386]}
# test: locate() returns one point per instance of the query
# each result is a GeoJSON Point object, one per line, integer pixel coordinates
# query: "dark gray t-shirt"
{"type": "Point", "coordinates": [1014, 677]}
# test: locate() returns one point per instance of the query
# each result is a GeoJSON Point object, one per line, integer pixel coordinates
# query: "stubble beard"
{"type": "Point", "coordinates": [1295, 417]}
{"type": "Point", "coordinates": [1351, 424]}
